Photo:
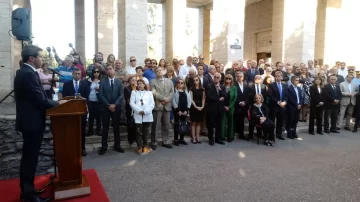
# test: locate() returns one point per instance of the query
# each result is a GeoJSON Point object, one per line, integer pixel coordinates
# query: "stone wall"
{"type": "Point", "coordinates": [10, 149]}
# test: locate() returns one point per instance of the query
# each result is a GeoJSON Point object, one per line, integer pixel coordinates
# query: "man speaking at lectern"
{"type": "Point", "coordinates": [31, 105]}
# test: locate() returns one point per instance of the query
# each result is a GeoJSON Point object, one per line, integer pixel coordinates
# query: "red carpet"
{"type": "Point", "coordinates": [10, 189]}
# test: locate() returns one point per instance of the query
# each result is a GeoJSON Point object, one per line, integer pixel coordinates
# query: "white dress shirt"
{"type": "Point", "coordinates": [30, 66]}
{"type": "Point", "coordinates": [343, 72]}
{"type": "Point", "coordinates": [184, 70]}
{"type": "Point", "coordinates": [111, 79]}
{"type": "Point", "coordinates": [258, 88]}
{"type": "Point", "coordinates": [130, 70]}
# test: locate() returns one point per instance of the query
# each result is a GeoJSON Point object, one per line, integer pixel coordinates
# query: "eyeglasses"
{"type": "Point", "coordinates": [201, 58]}
{"type": "Point", "coordinates": [96, 72]}
{"type": "Point", "coordinates": [133, 80]}
{"type": "Point", "coordinates": [228, 78]}
{"type": "Point", "coordinates": [132, 60]}
{"type": "Point", "coordinates": [180, 82]}
{"type": "Point", "coordinates": [154, 63]}
{"type": "Point", "coordinates": [142, 103]}
{"type": "Point", "coordinates": [218, 77]}
{"type": "Point", "coordinates": [196, 79]}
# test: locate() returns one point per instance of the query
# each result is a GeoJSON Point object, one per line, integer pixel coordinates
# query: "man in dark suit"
{"type": "Point", "coordinates": [279, 68]}
{"type": "Point", "coordinates": [210, 75]}
{"type": "Point", "coordinates": [253, 71]}
{"type": "Point", "coordinates": [278, 93]}
{"type": "Point", "coordinates": [256, 88]}
{"type": "Point", "coordinates": [332, 97]}
{"type": "Point", "coordinates": [111, 94]}
{"type": "Point", "coordinates": [241, 105]}
{"type": "Point", "coordinates": [78, 86]}
{"type": "Point", "coordinates": [31, 104]}
{"type": "Point", "coordinates": [295, 100]}
{"type": "Point", "coordinates": [215, 99]}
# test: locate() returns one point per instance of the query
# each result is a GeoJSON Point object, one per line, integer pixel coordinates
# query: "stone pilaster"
{"type": "Point", "coordinates": [80, 27]}
{"type": "Point", "coordinates": [175, 29]}
{"type": "Point", "coordinates": [132, 29]}
{"type": "Point", "coordinates": [227, 30]}
{"type": "Point", "coordinates": [293, 36]}
{"type": "Point", "coordinates": [206, 34]}
{"type": "Point", "coordinates": [104, 16]}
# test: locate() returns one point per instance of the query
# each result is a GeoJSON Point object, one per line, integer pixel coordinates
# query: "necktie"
{"type": "Point", "coordinates": [76, 87]}
{"type": "Point", "coordinates": [252, 72]}
{"type": "Point", "coordinates": [334, 89]}
{"type": "Point", "coordinates": [280, 90]}
{"type": "Point", "coordinates": [217, 90]}
{"type": "Point", "coordinates": [257, 89]}
{"type": "Point", "coordinates": [112, 84]}
{"type": "Point", "coordinates": [297, 94]}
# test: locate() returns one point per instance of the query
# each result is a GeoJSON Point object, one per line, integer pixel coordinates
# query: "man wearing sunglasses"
{"type": "Point", "coordinates": [215, 99]}
{"type": "Point", "coordinates": [184, 70]}
{"type": "Point", "coordinates": [130, 70]}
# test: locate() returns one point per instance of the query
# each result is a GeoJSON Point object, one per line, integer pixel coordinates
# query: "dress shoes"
{"type": "Point", "coordinates": [119, 149]}
{"type": "Point", "coordinates": [89, 134]}
{"type": "Point", "coordinates": [320, 133]}
{"type": "Point", "coordinates": [311, 133]}
{"type": "Point", "coordinates": [337, 128]}
{"type": "Point", "coordinates": [280, 137]}
{"type": "Point", "coordinates": [153, 147]}
{"type": "Point", "coordinates": [219, 142]}
{"type": "Point", "coordinates": [176, 142]}
{"type": "Point", "coordinates": [182, 142]}
{"type": "Point", "coordinates": [167, 146]}
{"type": "Point", "coordinates": [327, 131]}
{"type": "Point", "coordinates": [295, 135]}
{"type": "Point", "coordinates": [354, 130]}
{"type": "Point", "coordinates": [334, 131]}
{"type": "Point", "coordinates": [36, 191]}
{"type": "Point", "coordinates": [290, 137]}
{"type": "Point", "coordinates": [347, 128]}
{"type": "Point", "coordinates": [102, 151]}
{"type": "Point", "coordinates": [211, 142]}
{"type": "Point", "coordinates": [84, 153]}
{"type": "Point", "coordinates": [35, 199]}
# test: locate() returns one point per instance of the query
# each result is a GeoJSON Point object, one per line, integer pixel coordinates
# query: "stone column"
{"type": "Point", "coordinates": [132, 29]}
{"type": "Point", "coordinates": [206, 35]}
{"type": "Point", "coordinates": [104, 35]}
{"type": "Point", "coordinates": [80, 28]}
{"type": "Point", "coordinates": [293, 36]}
{"type": "Point", "coordinates": [336, 32]}
{"type": "Point", "coordinates": [227, 30]}
{"type": "Point", "coordinates": [6, 49]}
{"type": "Point", "coordinates": [175, 29]}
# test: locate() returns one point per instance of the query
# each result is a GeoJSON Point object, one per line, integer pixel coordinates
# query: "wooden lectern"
{"type": "Point", "coordinates": [66, 130]}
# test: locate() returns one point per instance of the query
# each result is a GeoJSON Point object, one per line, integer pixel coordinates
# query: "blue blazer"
{"type": "Point", "coordinates": [275, 94]}
{"type": "Point", "coordinates": [292, 100]}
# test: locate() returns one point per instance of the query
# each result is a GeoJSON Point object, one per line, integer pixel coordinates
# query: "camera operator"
{"type": "Point", "coordinates": [99, 58]}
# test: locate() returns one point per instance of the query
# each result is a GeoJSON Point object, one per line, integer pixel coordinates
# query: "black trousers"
{"type": "Point", "coordinates": [115, 117]}
{"type": "Point", "coordinates": [239, 118]}
{"type": "Point", "coordinates": [29, 159]}
{"type": "Point", "coordinates": [214, 120]}
{"type": "Point", "coordinates": [292, 119]}
{"type": "Point", "coordinates": [316, 113]}
{"type": "Point", "coordinates": [268, 129]}
{"type": "Point", "coordinates": [49, 94]}
{"type": "Point", "coordinates": [131, 127]}
{"type": "Point", "coordinates": [94, 113]}
{"type": "Point", "coordinates": [333, 115]}
{"type": "Point", "coordinates": [178, 118]}
{"type": "Point", "coordinates": [278, 113]}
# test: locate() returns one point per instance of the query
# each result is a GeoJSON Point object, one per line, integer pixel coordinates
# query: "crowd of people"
{"type": "Point", "coordinates": [205, 99]}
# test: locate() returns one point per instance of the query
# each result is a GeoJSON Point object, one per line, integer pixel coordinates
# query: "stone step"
{"type": "Point", "coordinates": [93, 144]}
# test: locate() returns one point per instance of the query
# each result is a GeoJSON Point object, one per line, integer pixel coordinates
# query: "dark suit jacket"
{"type": "Point", "coordinates": [107, 97]}
{"type": "Point", "coordinates": [213, 98]}
{"type": "Point", "coordinates": [285, 76]}
{"type": "Point", "coordinates": [292, 99]}
{"type": "Point", "coordinates": [31, 101]}
{"type": "Point", "coordinates": [315, 96]}
{"type": "Point", "coordinates": [210, 81]}
{"type": "Point", "coordinates": [253, 92]}
{"type": "Point", "coordinates": [275, 95]}
{"type": "Point", "coordinates": [251, 77]}
{"type": "Point", "coordinates": [69, 89]}
{"type": "Point", "coordinates": [242, 96]}
{"type": "Point", "coordinates": [255, 113]}
{"type": "Point", "coordinates": [330, 96]}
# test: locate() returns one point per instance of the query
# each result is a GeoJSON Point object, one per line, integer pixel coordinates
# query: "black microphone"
{"type": "Point", "coordinates": [54, 71]}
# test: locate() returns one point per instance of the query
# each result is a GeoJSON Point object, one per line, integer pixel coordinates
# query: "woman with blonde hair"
{"type": "Point", "coordinates": [228, 117]}
{"type": "Point", "coordinates": [181, 104]}
{"type": "Point", "coordinates": [111, 60]}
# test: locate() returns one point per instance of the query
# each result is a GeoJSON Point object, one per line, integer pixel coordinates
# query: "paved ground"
{"type": "Point", "coordinates": [312, 168]}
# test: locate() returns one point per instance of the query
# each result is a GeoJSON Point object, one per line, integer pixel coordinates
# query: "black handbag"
{"type": "Point", "coordinates": [182, 127]}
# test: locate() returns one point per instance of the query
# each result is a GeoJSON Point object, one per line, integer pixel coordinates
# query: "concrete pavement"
{"type": "Point", "coordinates": [311, 168]}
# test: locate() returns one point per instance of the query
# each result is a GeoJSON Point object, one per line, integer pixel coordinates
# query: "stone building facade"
{"type": "Point", "coordinates": [280, 30]}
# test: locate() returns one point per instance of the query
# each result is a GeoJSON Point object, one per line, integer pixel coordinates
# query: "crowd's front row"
{"type": "Point", "coordinates": [224, 106]}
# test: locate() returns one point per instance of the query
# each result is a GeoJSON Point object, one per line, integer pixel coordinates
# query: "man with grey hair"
{"type": "Point", "coordinates": [66, 72]}
{"type": "Point", "coordinates": [31, 105]}
{"type": "Point", "coordinates": [202, 62]}
{"type": "Point", "coordinates": [184, 70]}
{"type": "Point", "coordinates": [212, 71]}
{"type": "Point", "coordinates": [215, 99]}
{"type": "Point", "coordinates": [241, 104]}
{"type": "Point", "coordinates": [332, 97]}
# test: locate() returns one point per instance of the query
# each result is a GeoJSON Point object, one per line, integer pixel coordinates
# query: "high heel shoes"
{"type": "Point", "coordinates": [197, 141]}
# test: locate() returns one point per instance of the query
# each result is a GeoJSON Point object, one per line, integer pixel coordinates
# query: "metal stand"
{"type": "Point", "coordinates": [9, 94]}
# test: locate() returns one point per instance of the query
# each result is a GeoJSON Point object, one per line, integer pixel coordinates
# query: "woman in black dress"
{"type": "Point", "coordinates": [197, 94]}
{"type": "Point", "coordinates": [260, 114]}
{"type": "Point", "coordinates": [316, 106]}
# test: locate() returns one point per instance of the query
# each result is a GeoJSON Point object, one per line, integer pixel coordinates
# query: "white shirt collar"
{"type": "Point", "coordinates": [31, 67]}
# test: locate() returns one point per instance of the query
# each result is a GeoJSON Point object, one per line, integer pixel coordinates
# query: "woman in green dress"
{"type": "Point", "coordinates": [228, 118]}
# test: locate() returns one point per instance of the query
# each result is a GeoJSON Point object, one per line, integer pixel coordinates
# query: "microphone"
{"type": "Point", "coordinates": [54, 71]}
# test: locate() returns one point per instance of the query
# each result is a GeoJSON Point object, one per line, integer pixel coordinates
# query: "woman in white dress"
{"type": "Point", "coordinates": [142, 104]}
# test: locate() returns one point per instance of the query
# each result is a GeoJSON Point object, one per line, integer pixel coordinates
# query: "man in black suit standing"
{"type": "Point", "coordinates": [81, 87]}
{"type": "Point", "coordinates": [241, 105]}
{"type": "Point", "coordinates": [111, 93]}
{"type": "Point", "coordinates": [256, 88]}
{"type": "Point", "coordinates": [279, 68]}
{"type": "Point", "coordinates": [31, 104]}
{"type": "Point", "coordinates": [278, 93]}
{"type": "Point", "coordinates": [215, 99]}
{"type": "Point", "coordinates": [253, 71]}
{"type": "Point", "coordinates": [332, 97]}
{"type": "Point", "coordinates": [295, 100]}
